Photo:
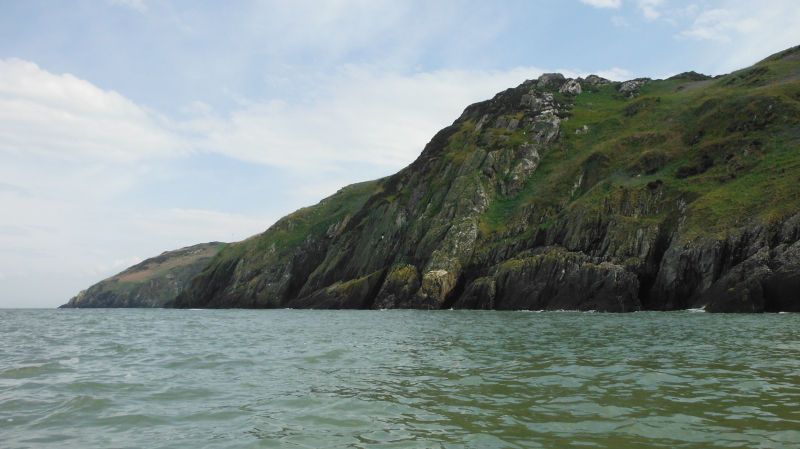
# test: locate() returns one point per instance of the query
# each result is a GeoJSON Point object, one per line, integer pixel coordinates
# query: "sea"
{"type": "Point", "coordinates": [152, 378]}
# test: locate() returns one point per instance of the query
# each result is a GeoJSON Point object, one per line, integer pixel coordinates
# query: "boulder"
{"type": "Point", "coordinates": [594, 80]}
{"type": "Point", "coordinates": [551, 80]}
{"type": "Point", "coordinates": [538, 102]}
{"type": "Point", "coordinates": [631, 88]}
{"type": "Point", "coordinates": [545, 129]}
{"type": "Point", "coordinates": [571, 87]}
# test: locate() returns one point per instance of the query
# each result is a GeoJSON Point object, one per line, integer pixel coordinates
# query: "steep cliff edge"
{"type": "Point", "coordinates": [579, 194]}
{"type": "Point", "coordinates": [151, 283]}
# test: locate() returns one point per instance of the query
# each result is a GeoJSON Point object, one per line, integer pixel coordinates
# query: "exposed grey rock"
{"type": "Point", "coordinates": [551, 80]}
{"type": "Point", "coordinates": [571, 87]}
{"type": "Point", "coordinates": [515, 166]}
{"type": "Point", "coordinates": [594, 80]}
{"type": "Point", "coordinates": [538, 102]}
{"type": "Point", "coordinates": [631, 88]}
{"type": "Point", "coordinates": [501, 122]}
{"type": "Point", "coordinates": [481, 122]}
{"type": "Point", "coordinates": [528, 157]}
{"type": "Point", "coordinates": [583, 129]}
{"type": "Point", "coordinates": [545, 129]}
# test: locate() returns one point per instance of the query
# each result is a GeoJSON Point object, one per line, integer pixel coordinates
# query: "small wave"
{"type": "Point", "coordinates": [698, 310]}
{"type": "Point", "coordinates": [29, 371]}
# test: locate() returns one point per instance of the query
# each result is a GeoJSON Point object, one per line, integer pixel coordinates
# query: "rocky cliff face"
{"type": "Point", "coordinates": [151, 283]}
{"type": "Point", "coordinates": [559, 194]}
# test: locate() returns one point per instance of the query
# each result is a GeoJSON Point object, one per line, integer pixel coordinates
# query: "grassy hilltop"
{"type": "Point", "coordinates": [151, 283]}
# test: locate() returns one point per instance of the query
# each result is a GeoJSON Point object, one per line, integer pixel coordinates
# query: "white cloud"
{"type": "Point", "coordinates": [138, 5]}
{"type": "Point", "coordinates": [619, 21]}
{"type": "Point", "coordinates": [11, 189]}
{"type": "Point", "coordinates": [200, 226]}
{"type": "Point", "coordinates": [118, 265]}
{"type": "Point", "coordinates": [615, 74]}
{"type": "Point", "coordinates": [126, 262]}
{"type": "Point", "coordinates": [649, 8]}
{"type": "Point", "coordinates": [64, 117]}
{"type": "Point", "coordinates": [689, 11]}
{"type": "Point", "coordinates": [745, 32]}
{"type": "Point", "coordinates": [336, 27]}
{"type": "Point", "coordinates": [14, 231]}
{"type": "Point", "coordinates": [719, 24]}
{"type": "Point", "coordinates": [603, 3]}
{"type": "Point", "coordinates": [358, 115]}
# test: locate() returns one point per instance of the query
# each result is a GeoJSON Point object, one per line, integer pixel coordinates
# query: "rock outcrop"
{"type": "Point", "coordinates": [551, 81]}
{"type": "Point", "coordinates": [631, 88]}
{"type": "Point", "coordinates": [594, 80]}
{"type": "Point", "coordinates": [572, 87]}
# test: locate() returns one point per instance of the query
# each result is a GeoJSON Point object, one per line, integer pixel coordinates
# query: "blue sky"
{"type": "Point", "coordinates": [133, 127]}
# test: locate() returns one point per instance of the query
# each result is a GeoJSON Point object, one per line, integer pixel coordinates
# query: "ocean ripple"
{"type": "Point", "coordinates": [397, 379]}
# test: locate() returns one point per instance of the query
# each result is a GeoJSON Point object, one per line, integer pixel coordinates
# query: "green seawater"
{"type": "Point", "coordinates": [397, 379]}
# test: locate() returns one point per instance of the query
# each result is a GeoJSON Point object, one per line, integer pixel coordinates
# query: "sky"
{"type": "Point", "coordinates": [133, 127]}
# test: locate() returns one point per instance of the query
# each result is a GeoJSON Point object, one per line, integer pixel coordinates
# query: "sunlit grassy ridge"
{"type": "Point", "coordinates": [734, 143]}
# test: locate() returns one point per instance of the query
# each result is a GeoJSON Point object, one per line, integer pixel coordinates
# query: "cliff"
{"type": "Point", "coordinates": [580, 194]}
{"type": "Point", "coordinates": [150, 283]}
